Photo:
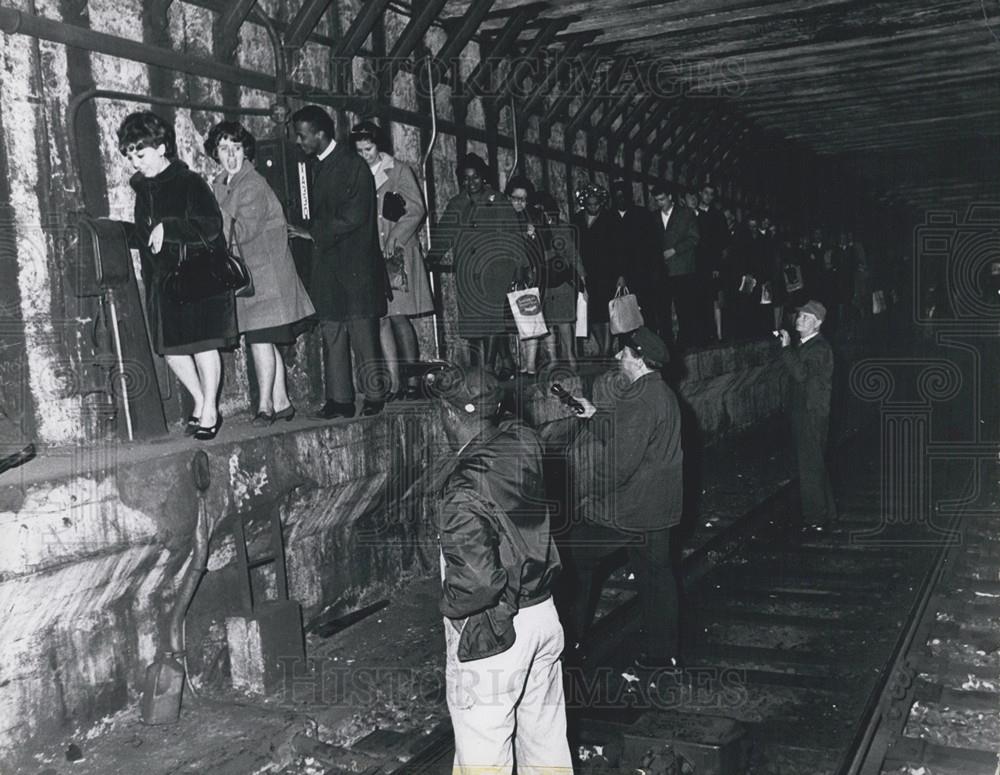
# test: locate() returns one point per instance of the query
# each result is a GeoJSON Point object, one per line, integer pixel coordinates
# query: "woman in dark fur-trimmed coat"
{"type": "Point", "coordinates": [175, 208]}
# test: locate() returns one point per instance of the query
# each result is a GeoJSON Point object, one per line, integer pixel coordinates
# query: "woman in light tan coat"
{"type": "Point", "coordinates": [279, 300]}
{"type": "Point", "coordinates": [399, 223]}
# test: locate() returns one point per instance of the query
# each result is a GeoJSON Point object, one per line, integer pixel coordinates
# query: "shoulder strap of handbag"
{"type": "Point", "coordinates": [233, 239]}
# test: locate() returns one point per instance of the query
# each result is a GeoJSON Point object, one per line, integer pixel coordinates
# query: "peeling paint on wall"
{"type": "Point", "coordinates": [47, 374]}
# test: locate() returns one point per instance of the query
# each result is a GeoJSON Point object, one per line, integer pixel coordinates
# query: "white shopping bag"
{"type": "Point", "coordinates": [526, 305]}
{"type": "Point", "coordinates": [581, 315]}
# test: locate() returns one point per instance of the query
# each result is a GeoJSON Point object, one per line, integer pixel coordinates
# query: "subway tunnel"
{"type": "Point", "coordinates": [266, 599]}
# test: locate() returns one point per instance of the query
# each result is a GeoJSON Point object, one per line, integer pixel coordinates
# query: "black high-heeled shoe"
{"type": "Point", "coordinates": [209, 433]}
{"type": "Point", "coordinates": [193, 423]}
{"type": "Point", "coordinates": [287, 414]}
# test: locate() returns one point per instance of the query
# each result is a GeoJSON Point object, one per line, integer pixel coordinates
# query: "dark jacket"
{"type": "Point", "coordinates": [598, 261]}
{"type": "Point", "coordinates": [633, 240]}
{"type": "Point", "coordinates": [681, 234]}
{"type": "Point", "coordinates": [493, 523]}
{"type": "Point", "coordinates": [713, 238]}
{"type": "Point", "coordinates": [486, 238]}
{"type": "Point", "coordinates": [348, 280]}
{"type": "Point", "coordinates": [811, 368]}
{"type": "Point", "coordinates": [183, 202]}
{"type": "Point", "coordinates": [634, 478]}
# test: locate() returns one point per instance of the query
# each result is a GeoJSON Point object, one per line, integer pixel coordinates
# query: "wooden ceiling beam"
{"type": "Point", "coordinates": [359, 30]}
{"type": "Point", "coordinates": [463, 32]}
{"type": "Point", "coordinates": [653, 120]}
{"type": "Point", "coordinates": [593, 101]}
{"type": "Point", "coordinates": [635, 116]}
{"type": "Point", "coordinates": [489, 60]}
{"type": "Point", "coordinates": [617, 108]}
{"type": "Point", "coordinates": [228, 27]}
{"type": "Point", "coordinates": [575, 88]}
{"type": "Point", "coordinates": [711, 15]}
{"type": "Point", "coordinates": [413, 33]}
{"type": "Point", "coordinates": [522, 63]}
{"type": "Point", "coordinates": [304, 22]}
{"type": "Point", "coordinates": [765, 48]}
{"type": "Point", "coordinates": [982, 87]}
{"type": "Point", "coordinates": [543, 89]}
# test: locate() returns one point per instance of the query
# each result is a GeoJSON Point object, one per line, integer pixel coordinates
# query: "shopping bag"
{"type": "Point", "coordinates": [623, 312]}
{"type": "Point", "coordinates": [878, 302]}
{"type": "Point", "coordinates": [581, 315]}
{"type": "Point", "coordinates": [526, 305]}
{"type": "Point", "coordinates": [765, 293]}
{"type": "Point", "coordinates": [747, 283]}
{"type": "Point", "coordinates": [793, 278]}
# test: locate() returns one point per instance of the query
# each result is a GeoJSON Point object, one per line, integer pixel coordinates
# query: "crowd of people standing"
{"type": "Point", "coordinates": [701, 272]}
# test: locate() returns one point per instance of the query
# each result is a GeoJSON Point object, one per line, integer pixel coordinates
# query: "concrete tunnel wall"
{"type": "Point", "coordinates": [92, 548]}
{"type": "Point", "coordinates": [52, 383]}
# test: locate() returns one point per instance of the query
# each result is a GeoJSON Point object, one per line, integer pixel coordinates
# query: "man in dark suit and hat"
{"type": "Point", "coordinates": [348, 280]}
{"type": "Point", "coordinates": [630, 495]}
{"type": "Point", "coordinates": [810, 364]}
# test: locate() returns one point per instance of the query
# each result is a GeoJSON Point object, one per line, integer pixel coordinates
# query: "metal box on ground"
{"type": "Point", "coordinates": [264, 645]}
{"type": "Point", "coordinates": [712, 744]}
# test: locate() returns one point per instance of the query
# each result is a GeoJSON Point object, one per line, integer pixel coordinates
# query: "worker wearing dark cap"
{"type": "Point", "coordinates": [810, 364]}
{"type": "Point", "coordinates": [498, 562]}
{"type": "Point", "coordinates": [633, 495]}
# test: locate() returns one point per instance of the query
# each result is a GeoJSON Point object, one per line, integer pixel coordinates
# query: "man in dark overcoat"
{"type": "Point", "coordinates": [348, 282]}
{"type": "Point", "coordinates": [678, 228]}
{"type": "Point", "coordinates": [632, 240]}
{"type": "Point", "coordinates": [810, 364]}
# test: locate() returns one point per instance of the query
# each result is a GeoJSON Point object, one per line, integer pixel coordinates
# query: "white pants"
{"type": "Point", "coordinates": [512, 704]}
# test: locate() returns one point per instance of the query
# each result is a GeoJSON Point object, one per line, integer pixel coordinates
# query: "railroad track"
{"type": "Point", "coordinates": [939, 710]}
{"type": "Point", "coordinates": [833, 652]}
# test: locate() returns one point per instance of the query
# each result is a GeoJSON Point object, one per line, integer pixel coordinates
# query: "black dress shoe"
{"type": "Point", "coordinates": [207, 433]}
{"type": "Point", "coordinates": [333, 409]}
{"type": "Point", "coordinates": [370, 408]}
{"type": "Point", "coordinates": [287, 414]}
{"type": "Point", "coordinates": [191, 425]}
{"type": "Point", "coordinates": [262, 419]}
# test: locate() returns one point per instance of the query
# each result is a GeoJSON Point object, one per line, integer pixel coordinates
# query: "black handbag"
{"type": "Point", "coordinates": [393, 206]}
{"type": "Point", "coordinates": [206, 271]}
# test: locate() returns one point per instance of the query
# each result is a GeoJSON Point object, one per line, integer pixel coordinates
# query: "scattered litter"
{"type": "Point", "coordinates": [708, 524]}
{"type": "Point", "coordinates": [631, 678]}
{"type": "Point", "coordinates": [631, 577]}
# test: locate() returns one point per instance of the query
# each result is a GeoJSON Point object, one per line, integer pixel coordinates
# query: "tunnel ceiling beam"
{"type": "Point", "coordinates": [359, 30]}
{"type": "Point", "coordinates": [578, 86]}
{"type": "Point", "coordinates": [459, 38]}
{"type": "Point", "coordinates": [520, 69]}
{"type": "Point", "coordinates": [489, 60]}
{"type": "Point", "coordinates": [304, 22]}
{"type": "Point", "coordinates": [548, 83]}
{"type": "Point", "coordinates": [617, 108]}
{"type": "Point", "coordinates": [229, 24]}
{"type": "Point", "coordinates": [414, 31]}
{"type": "Point", "coordinates": [633, 117]}
{"type": "Point", "coordinates": [653, 120]}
